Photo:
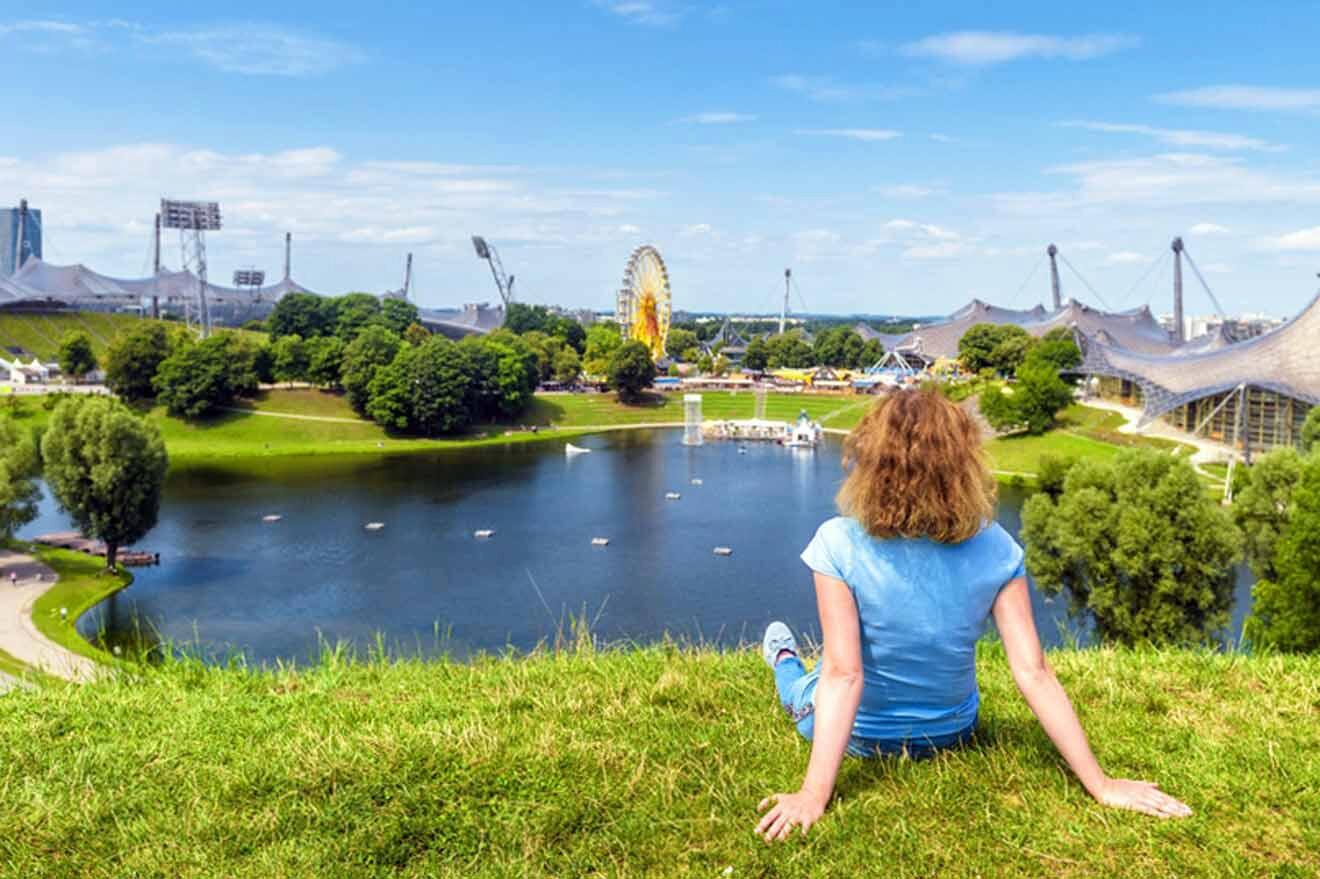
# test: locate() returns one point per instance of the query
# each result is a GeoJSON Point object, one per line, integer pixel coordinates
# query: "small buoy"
{"type": "Point", "coordinates": [696, 481]}
{"type": "Point", "coordinates": [571, 450]}
{"type": "Point", "coordinates": [484, 533]}
{"type": "Point", "coordinates": [271, 518]}
{"type": "Point", "coordinates": [742, 450]}
{"type": "Point", "coordinates": [672, 495]}
{"type": "Point", "coordinates": [600, 541]}
{"type": "Point", "coordinates": [375, 526]}
{"type": "Point", "coordinates": [723, 550]}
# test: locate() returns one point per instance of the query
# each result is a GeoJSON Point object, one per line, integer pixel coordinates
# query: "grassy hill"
{"type": "Point", "coordinates": [40, 334]}
{"type": "Point", "coordinates": [639, 762]}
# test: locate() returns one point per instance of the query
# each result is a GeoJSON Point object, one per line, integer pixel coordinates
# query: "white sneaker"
{"type": "Point", "coordinates": [778, 637]}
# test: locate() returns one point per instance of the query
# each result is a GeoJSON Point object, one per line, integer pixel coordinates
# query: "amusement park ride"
{"type": "Point", "coordinates": [643, 304]}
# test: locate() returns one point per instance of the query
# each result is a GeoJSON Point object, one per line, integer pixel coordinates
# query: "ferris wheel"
{"type": "Point", "coordinates": [643, 305]}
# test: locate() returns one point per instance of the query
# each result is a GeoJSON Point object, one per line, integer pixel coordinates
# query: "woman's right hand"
{"type": "Point", "coordinates": [1141, 796]}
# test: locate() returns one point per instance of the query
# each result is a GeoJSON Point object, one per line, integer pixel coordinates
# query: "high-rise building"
{"type": "Point", "coordinates": [15, 222]}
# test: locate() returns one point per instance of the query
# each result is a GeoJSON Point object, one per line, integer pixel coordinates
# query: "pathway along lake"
{"type": "Point", "coordinates": [228, 581]}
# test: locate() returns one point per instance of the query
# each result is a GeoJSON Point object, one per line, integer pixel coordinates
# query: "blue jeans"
{"type": "Point", "coordinates": [797, 693]}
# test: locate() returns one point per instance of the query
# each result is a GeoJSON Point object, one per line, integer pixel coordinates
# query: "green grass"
{"type": "Point", "coordinates": [639, 762]}
{"type": "Point", "coordinates": [83, 584]}
{"type": "Point", "coordinates": [40, 334]}
{"type": "Point", "coordinates": [1083, 432]}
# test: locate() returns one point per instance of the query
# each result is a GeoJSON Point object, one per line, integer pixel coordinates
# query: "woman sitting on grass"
{"type": "Point", "coordinates": [905, 580]}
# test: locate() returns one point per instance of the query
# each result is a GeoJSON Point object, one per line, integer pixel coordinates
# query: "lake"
{"type": "Point", "coordinates": [424, 584]}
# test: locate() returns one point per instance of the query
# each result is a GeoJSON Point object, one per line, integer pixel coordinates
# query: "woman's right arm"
{"type": "Point", "coordinates": [1038, 685]}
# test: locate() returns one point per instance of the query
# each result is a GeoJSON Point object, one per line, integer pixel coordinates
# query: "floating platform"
{"type": "Point", "coordinates": [484, 533]}
{"type": "Point", "coordinates": [697, 482]}
{"type": "Point", "coordinates": [73, 540]}
{"type": "Point", "coordinates": [600, 541]}
{"type": "Point", "coordinates": [271, 518]}
{"type": "Point", "coordinates": [374, 526]}
{"type": "Point", "coordinates": [723, 550]}
{"type": "Point", "coordinates": [572, 450]}
{"type": "Point", "coordinates": [672, 495]}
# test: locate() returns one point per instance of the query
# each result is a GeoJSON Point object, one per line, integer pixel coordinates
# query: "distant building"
{"type": "Point", "coordinates": [14, 252]}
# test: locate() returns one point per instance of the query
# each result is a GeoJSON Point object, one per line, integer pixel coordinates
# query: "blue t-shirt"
{"type": "Point", "coordinates": [922, 606]}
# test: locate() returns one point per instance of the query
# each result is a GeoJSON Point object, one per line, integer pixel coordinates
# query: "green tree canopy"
{"type": "Point", "coordinates": [976, 345]}
{"type": "Point", "coordinates": [105, 467]}
{"type": "Point", "coordinates": [325, 360]}
{"type": "Point", "coordinates": [603, 340]}
{"type": "Point", "coordinates": [416, 334]}
{"type": "Point", "coordinates": [300, 314]}
{"type": "Point", "coordinates": [1011, 350]}
{"type": "Point", "coordinates": [1311, 429]}
{"type": "Point", "coordinates": [134, 357]}
{"type": "Point", "coordinates": [426, 389]}
{"type": "Point", "coordinates": [1033, 401]}
{"type": "Point", "coordinates": [839, 347]}
{"type": "Point", "coordinates": [374, 348]}
{"type": "Point", "coordinates": [631, 370]}
{"type": "Point", "coordinates": [1263, 506]}
{"type": "Point", "coordinates": [200, 377]}
{"type": "Point", "coordinates": [503, 373]}
{"type": "Point", "coordinates": [353, 313]}
{"type": "Point", "coordinates": [679, 341]}
{"type": "Point", "coordinates": [290, 358]}
{"type": "Point", "coordinates": [568, 366]}
{"type": "Point", "coordinates": [1285, 611]}
{"type": "Point", "coordinates": [19, 465]}
{"type": "Point", "coordinates": [789, 350]}
{"type": "Point", "coordinates": [757, 357]}
{"type": "Point", "coordinates": [396, 315]}
{"type": "Point", "coordinates": [1140, 547]}
{"type": "Point", "coordinates": [1062, 354]}
{"type": "Point", "coordinates": [76, 355]}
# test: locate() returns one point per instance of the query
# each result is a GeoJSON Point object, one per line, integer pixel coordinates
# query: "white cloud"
{"type": "Point", "coordinates": [718, 118]}
{"type": "Point", "coordinates": [629, 229]}
{"type": "Point", "coordinates": [827, 90]}
{"type": "Point", "coordinates": [696, 230]}
{"type": "Point", "coordinates": [1303, 240]}
{"type": "Point", "coordinates": [1245, 97]}
{"type": "Point", "coordinates": [943, 138]}
{"type": "Point", "coordinates": [1171, 179]}
{"type": "Point", "coordinates": [1125, 257]}
{"type": "Point", "coordinates": [1181, 137]}
{"type": "Point", "coordinates": [907, 190]}
{"type": "Point", "coordinates": [916, 241]}
{"type": "Point", "coordinates": [641, 12]}
{"type": "Point", "coordinates": [40, 27]}
{"type": "Point", "coordinates": [1207, 229]}
{"type": "Point", "coordinates": [869, 135]}
{"type": "Point", "coordinates": [981, 48]}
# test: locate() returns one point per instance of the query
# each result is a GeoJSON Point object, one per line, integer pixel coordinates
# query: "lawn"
{"type": "Point", "coordinates": [639, 762]}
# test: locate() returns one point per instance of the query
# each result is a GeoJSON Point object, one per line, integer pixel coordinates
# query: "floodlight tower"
{"type": "Point", "coordinates": [193, 219]}
{"type": "Point", "coordinates": [502, 281]}
{"type": "Point", "coordinates": [250, 278]}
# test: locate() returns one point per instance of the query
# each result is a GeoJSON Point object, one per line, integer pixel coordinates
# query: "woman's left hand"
{"type": "Point", "coordinates": [786, 812]}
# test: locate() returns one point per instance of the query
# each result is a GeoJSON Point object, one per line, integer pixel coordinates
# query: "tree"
{"type": "Point", "coordinates": [839, 346]}
{"type": "Point", "coordinates": [976, 345]}
{"type": "Point", "coordinates": [374, 348]}
{"type": "Point", "coordinates": [631, 370]}
{"type": "Point", "coordinates": [1311, 429]}
{"type": "Point", "coordinates": [416, 334]}
{"type": "Point", "coordinates": [325, 360]}
{"type": "Point", "coordinates": [545, 347]}
{"type": "Point", "coordinates": [872, 353]}
{"type": "Point", "coordinates": [133, 359]}
{"type": "Point", "coordinates": [425, 389]}
{"type": "Point", "coordinates": [106, 467]}
{"type": "Point", "coordinates": [568, 366]}
{"type": "Point", "coordinates": [679, 341]}
{"type": "Point", "coordinates": [571, 332]}
{"type": "Point", "coordinates": [520, 318]}
{"type": "Point", "coordinates": [202, 376]}
{"type": "Point", "coordinates": [789, 350]}
{"type": "Point", "coordinates": [720, 366]}
{"type": "Point", "coordinates": [19, 465]}
{"type": "Point", "coordinates": [396, 315]}
{"type": "Point", "coordinates": [1060, 353]}
{"type": "Point", "coordinates": [299, 314]}
{"type": "Point", "coordinates": [1263, 506]}
{"type": "Point", "coordinates": [503, 374]}
{"type": "Point", "coordinates": [705, 364]}
{"type": "Point", "coordinates": [1140, 547]}
{"type": "Point", "coordinates": [354, 312]}
{"type": "Point", "coordinates": [1012, 348]}
{"type": "Point", "coordinates": [1033, 401]}
{"type": "Point", "coordinates": [757, 356]}
{"type": "Point", "coordinates": [1051, 472]}
{"type": "Point", "coordinates": [76, 355]}
{"type": "Point", "coordinates": [290, 357]}
{"type": "Point", "coordinates": [602, 341]}
{"type": "Point", "coordinates": [1285, 611]}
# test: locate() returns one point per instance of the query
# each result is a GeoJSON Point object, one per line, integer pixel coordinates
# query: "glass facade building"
{"type": "Point", "coordinates": [10, 224]}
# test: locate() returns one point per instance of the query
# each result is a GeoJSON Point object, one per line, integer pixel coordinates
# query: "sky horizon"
{"type": "Point", "coordinates": [901, 161]}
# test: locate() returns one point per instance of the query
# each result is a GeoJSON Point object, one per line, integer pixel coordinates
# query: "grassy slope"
{"type": "Point", "coordinates": [83, 584]}
{"type": "Point", "coordinates": [233, 435]}
{"type": "Point", "coordinates": [639, 762]}
{"type": "Point", "coordinates": [41, 333]}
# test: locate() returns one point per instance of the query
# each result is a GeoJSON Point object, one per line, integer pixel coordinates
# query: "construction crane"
{"type": "Point", "coordinates": [502, 281]}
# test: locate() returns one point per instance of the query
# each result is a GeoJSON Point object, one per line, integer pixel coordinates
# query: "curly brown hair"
{"type": "Point", "coordinates": [917, 469]}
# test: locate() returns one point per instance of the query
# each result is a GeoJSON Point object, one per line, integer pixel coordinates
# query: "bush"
{"type": "Point", "coordinates": [76, 355]}
{"type": "Point", "coordinates": [1285, 613]}
{"type": "Point", "coordinates": [1140, 547]}
{"type": "Point", "coordinates": [133, 359]}
{"type": "Point", "coordinates": [203, 376]}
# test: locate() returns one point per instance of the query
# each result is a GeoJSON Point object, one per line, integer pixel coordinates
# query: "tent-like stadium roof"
{"type": "Point", "coordinates": [1135, 330]}
{"type": "Point", "coordinates": [1283, 360]}
{"type": "Point", "coordinates": [470, 320]}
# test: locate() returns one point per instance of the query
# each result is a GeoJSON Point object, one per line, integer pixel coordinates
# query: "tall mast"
{"type": "Point", "coordinates": [288, 255]}
{"type": "Point", "coordinates": [783, 312]}
{"type": "Point", "coordinates": [407, 277]}
{"type": "Point", "coordinates": [1054, 276]}
{"type": "Point", "coordinates": [1179, 334]}
{"type": "Point", "coordinates": [155, 270]}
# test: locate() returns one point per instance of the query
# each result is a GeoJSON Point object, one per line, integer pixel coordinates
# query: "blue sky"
{"type": "Point", "coordinates": [900, 159]}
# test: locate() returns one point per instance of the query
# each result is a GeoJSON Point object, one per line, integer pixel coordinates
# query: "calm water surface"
{"type": "Point", "coordinates": [229, 582]}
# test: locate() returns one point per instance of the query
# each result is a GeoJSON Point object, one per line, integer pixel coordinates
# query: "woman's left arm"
{"type": "Point", "coordinates": [838, 693]}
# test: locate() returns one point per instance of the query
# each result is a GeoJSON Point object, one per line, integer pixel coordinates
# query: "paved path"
{"type": "Point", "coordinates": [18, 634]}
{"type": "Point", "coordinates": [1206, 451]}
